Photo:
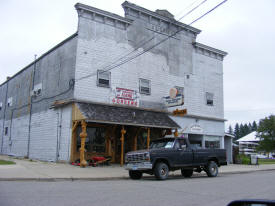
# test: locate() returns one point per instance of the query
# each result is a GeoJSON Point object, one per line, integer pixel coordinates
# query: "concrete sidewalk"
{"type": "Point", "coordinates": [25, 169]}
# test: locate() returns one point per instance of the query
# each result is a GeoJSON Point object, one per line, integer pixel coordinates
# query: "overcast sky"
{"type": "Point", "coordinates": [245, 29]}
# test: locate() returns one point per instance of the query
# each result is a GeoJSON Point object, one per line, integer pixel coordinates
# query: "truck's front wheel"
{"type": "Point", "coordinates": [212, 169]}
{"type": "Point", "coordinates": [161, 171]}
{"type": "Point", "coordinates": [135, 175]}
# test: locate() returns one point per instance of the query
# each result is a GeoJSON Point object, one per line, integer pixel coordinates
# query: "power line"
{"type": "Point", "coordinates": [110, 67]}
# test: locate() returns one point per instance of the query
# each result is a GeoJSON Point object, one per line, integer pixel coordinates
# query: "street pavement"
{"type": "Point", "coordinates": [175, 191]}
{"type": "Point", "coordinates": [25, 169]}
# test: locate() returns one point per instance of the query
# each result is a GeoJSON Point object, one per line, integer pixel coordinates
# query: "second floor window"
{"type": "Point", "coordinates": [103, 78]}
{"type": "Point", "coordinates": [144, 86]}
{"type": "Point", "coordinates": [209, 98]}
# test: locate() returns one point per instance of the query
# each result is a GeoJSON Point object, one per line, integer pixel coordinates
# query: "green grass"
{"type": "Point", "coordinates": [266, 161]}
{"type": "Point", "coordinates": [5, 162]}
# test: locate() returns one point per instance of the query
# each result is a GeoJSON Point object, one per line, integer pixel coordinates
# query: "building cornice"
{"type": "Point", "coordinates": [209, 49]}
{"type": "Point", "coordinates": [82, 7]}
{"type": "Point", "coordinates": [127, 5]}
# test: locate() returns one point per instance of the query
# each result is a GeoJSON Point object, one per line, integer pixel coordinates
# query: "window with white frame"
{"type": "Point", "coordinates": [209, 98]}
{"type": "Point", "coordinates": [1, 106]}
{"type": "Point", "coordinates": [103, 78]}
{"type": "Point", "coordinates": [144, 86]}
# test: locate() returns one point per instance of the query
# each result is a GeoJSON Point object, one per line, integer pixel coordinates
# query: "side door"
{"type": "Point", "coordinates": [184, 153]}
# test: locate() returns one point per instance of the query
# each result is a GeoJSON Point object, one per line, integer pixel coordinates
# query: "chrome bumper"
{"type": "Point", "coordinates": [139, 166]}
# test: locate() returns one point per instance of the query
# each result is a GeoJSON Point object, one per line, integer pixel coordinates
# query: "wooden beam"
{"type": "Point", "coordinates": [73, 141]}
{"type": "Point", "coordinates": [123, 131]}
{"type": "Point", "coordinates": [176, 133]}
{"type": "Point", "coordinates": [148, 138]}
{"type": "Point", "coordinates": [135, 139]}
{"type": "Point", "coordinates": [83, 135]}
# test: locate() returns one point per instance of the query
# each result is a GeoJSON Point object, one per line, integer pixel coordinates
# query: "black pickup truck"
{"type": "Point", "coordinates": [170, 154]}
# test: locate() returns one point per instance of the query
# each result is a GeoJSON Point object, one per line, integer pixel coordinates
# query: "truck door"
{"type": "Point", "coordinates": [184, 153]}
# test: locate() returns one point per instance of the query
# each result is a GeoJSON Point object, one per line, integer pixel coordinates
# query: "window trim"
{"type": "Point", "coordinates": [100, 84]}
{"type": "Point", "coordinates": [149, 84]}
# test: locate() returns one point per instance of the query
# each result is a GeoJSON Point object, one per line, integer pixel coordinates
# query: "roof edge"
{"type": "Point", "coordinates": [43, 55]}
{"type": "Point", "coordinates": [211, 49]}
{"type": "Point", "coordinates": [91, 9]}
{"type": "Point", "coordinates": [151, 13]}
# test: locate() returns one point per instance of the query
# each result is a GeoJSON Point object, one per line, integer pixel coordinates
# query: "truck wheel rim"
{"type": "Point", "coordinates": [163, 171]}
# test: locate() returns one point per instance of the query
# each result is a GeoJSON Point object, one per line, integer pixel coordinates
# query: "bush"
{"type": "Point", "coordinates": [244, 159]}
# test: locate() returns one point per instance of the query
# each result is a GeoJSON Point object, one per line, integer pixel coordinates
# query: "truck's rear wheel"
{"type": "Point", "coordinates": [187, 172]}
{"type": "Point", "coordinates": [212, 169]}
{"type": "Point", "coordinates": [135, 175]}
{"type": "Point", "coordinates": [161, 171]}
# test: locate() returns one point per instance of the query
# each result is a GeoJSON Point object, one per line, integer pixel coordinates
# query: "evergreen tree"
{"type": "Point", "coordinates": [266, 132]}
{"type": "Point", "coordinates": [250, 127]}
{"type": "Point", "coordinates": [254, 126]}
{"type": "Point", "coordinates": [242, 132]}
{"type": "Point", "coordinates": [230, 130]}
{"type": "Point", "coordinates": [246, 129]}
{"type": "Point", "coordinates": [237, 131]}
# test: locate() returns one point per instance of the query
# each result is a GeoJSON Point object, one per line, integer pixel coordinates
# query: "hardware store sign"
{"type": "Point", "coordinates": [125, 97]}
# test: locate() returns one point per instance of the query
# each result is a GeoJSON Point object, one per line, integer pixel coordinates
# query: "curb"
{"type": "Point", "coordinates": [71, 179]}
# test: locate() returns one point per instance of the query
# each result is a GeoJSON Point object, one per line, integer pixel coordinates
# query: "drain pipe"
{"type": "Point", "coordinates": [30, 105]}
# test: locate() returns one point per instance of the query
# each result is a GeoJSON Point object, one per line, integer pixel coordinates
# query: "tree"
{"type": "Point", "coordinates": [246, 129]}
{"type": "Point", "coordinates": [237, 131]}
{"type": "Point", "coordinates": [230, 130]}
{"type": "Point", "coordinates": [250, 127]}
{"type": "Point", "coordinates": [254, 126]}
{"type": "Point", "coordinates": [266, 132]}
{"type": "Point", "coordinates": [242, 132]}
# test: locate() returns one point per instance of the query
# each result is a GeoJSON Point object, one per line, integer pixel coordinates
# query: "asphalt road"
{"type": "Point", "coordinates": [198, 190]}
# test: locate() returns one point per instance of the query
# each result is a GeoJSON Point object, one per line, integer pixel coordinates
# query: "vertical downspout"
{"type": "Point", "coordinates": [30, 106]}
{"type": "Point", "coordinates": [58, 134]}
{"type": "Point", "coordinates": [4, 118]}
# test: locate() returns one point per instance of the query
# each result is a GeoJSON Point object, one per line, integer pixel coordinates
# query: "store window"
{"type": "Point", "coordinates": [95, 140]}
{"type": "Point", "coordinates": [144, 86]}
{"type": "Point", "coordinates": [212, 142]}
{"type": "Point", "coordinates": [209, 98]}
{"type": "Point", "coordinates": [103, 78]}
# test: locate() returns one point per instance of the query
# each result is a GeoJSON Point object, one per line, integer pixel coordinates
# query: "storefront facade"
{"type": "Point", "coordinates": [124, 89]}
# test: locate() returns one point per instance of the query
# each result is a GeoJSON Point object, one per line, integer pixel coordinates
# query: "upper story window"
{"type": "Point", "coordinates": [1, 105]}
{"type": "Point", "coordinates": [103, 78]}
{"type": "Point", "coordinates": [9, 102]}
{"type": "Point", "coordinates": [209, 98]}
{"type": "Point", "coordinates": [144, 86]}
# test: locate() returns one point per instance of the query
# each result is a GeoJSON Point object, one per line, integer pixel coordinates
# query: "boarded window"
{"type": "Point", "coordinates": [209, 99]}
{"type": "Point", "coordinates": [103, 78]}
{"type": "Point", "coordinates": [145, 86]}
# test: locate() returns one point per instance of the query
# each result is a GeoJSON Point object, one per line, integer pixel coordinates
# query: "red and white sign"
{"type": "Point", "coordinates": [125, 97]}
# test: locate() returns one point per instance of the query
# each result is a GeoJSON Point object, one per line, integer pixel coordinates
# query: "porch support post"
{"type": "Point", "coordinates": [176, 133]}
{"type": "Point", "coordinates": [123, 131]}
{"type": "Point", "coordinates": [135, 139]}
{"type": "Point", "coordinates": [148, 138]}
{"type": "Point", "coordinates": [83, 135]}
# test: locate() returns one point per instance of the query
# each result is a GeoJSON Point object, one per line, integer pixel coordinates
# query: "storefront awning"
{"type": "Point", "coordinates": [126, 116]}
